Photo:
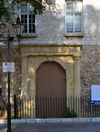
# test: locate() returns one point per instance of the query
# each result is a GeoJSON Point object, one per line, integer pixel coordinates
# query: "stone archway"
{"type": "Point", "coordinates": [67, 55]}
{"type": "Point", "coordinates": [50, 87]}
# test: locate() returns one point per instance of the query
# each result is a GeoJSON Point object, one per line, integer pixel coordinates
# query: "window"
{"type": "Point", "coordinates": [73, 16]}
{"type": "Point", "coordinates": [27, 19]}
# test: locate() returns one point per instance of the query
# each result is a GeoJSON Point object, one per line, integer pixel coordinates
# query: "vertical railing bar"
{"type": "Point", "coordinates": [68, 104]}
{"type": "Point", "coordinates": [20, 106]}
{"type": "Point", "coordinates": [38, 107]}
{"type": "Point", "coordinates": [71, 103]}
{"type": "Point", "coordinates": [51, 105]}
{"type": "Point", "coordinates": [80, 106]}
{"type": "Point", "coordinates": [16, 107]}
{"type": "Point", "coordinates": [83, 107]}
{"type": "Point", "coordinates": [48, 105]}
{"type": "Point", "coordinates": [43, 107]}
{"type": "Point", "coordinates": [76, 104]}
{"type": "Point", "coordinates": [56, 104]}
{"type": "Point", "coordinates": [25, 107]}
{"type": "Point", "coordinates": [38, 101]}
{"type": "Point", "coordinates": [30, 106]}
{"type": "Point", "coordinates": [88, 106]}
{"type": "Point", "coordinates": [61, 107]}
{"type": "Point", "coordinates": [53, 108]}
{"type": "Point", "coordinates": [64, 105]}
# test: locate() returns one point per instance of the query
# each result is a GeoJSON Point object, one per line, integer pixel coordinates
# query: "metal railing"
{"type": "Point", "coordinates": [55, 107]}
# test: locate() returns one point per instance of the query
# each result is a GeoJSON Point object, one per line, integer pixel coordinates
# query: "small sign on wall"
{"type": "Point", "coordinates": [8, 66]}
{"type": "Point", "coordinates": [95, 94]}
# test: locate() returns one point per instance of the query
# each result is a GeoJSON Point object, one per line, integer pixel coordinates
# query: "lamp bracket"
{"type": "Point", "coordinates": [11, 38]}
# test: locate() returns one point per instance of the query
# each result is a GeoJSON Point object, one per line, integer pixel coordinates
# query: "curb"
{"type": "Point", "coordinates": [51, 120]}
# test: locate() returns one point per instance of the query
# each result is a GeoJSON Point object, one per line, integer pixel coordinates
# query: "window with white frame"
{"type": "Point", "coordinates": [27, 19]}
{"type": "Point", "coordinates": [73, 16]}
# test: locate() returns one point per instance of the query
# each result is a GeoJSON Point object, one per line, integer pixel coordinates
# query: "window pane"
{"type": "Point", "coordinates": [31, 24]}
{"type": "Point", "coordinates": [69, 23]}
{"type": "Point", "coordinates": [30, 8]}
{"type": "Point", "coordinates": [24, 21]}
{"type": "Point", "coordinates": [31, 28]}
{"type": "Point", "coordinates": [23, 8]}
{"type": "Point", "coordinates": [69, 6]}
{"type": "Point", "coordinates": [77, 22]}
{"type": "Point", "coordinates": [78, 6]}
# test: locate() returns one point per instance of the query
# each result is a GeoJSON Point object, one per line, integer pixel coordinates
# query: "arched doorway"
{"type": "Point", "coordinates": [50, 90]}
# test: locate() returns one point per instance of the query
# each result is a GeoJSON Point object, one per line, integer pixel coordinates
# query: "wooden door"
{"type": "Point", "coordinates": [50, 90]}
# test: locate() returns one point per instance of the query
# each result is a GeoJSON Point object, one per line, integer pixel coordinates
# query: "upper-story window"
{"type": "Point", "coordinates": [27, 19]}
{"type": "Point", "coordinates": [73, 16]}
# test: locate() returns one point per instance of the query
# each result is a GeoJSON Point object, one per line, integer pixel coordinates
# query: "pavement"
{"type": "Point", "coordinates": [53, 127]}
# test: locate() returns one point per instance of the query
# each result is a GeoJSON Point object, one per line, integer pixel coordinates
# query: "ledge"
{"type": "Point", "coordinates": [30, 35]}
{"type": "Point", "coordinates": [73, 35]}
{"type": "Point", "coordinates": [44, 44]}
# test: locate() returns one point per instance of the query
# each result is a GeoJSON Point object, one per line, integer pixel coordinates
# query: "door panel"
{"type": "Point", "coordinates": [50, 83]}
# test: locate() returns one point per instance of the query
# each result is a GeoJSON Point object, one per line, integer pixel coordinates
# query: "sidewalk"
{"type": "Point", "coordinates": [53, 127]}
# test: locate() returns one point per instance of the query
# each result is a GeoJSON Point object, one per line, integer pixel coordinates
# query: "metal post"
{"type": "Point", "coordinates": [15, 108]}
{"type": "Point", "coordinates": [91, 110]}
{"type": "Point", "coordinates": [9, 105]}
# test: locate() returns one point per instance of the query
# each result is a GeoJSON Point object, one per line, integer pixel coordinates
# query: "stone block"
{"type": "Point", "coordinates": [51, 120]}
{"type": "Point", "coordinates": [83, 119]}
{"type": "Point", "coordinates": [31, 120]}
{"type": "Point", "coordinates": [3, 121]}
{"type": "Point", "coordinates": [15, 120]}
{"type": "Point", "coordinates": [67, 120]}
{"type": "Point", "coordinates": [76, 119]}
{"type": "Point", "coordinates": [41, 120]}
{"type": "Point", "coordinates": [97, 119]}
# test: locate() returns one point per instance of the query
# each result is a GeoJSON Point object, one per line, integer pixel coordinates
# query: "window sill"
{"type": "Point", "coordinates": [74, 35]}
{"type": "Point", "coordinates": [29, 35]}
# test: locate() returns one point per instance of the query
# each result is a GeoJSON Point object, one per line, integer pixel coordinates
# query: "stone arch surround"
{"type": "Point", "coordinates": [32, 56]}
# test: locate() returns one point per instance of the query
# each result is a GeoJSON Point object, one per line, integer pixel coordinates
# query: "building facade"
{"type": "Point", "coordinates": [59, 51]}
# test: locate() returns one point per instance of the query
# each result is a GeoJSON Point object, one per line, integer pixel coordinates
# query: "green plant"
{"type": "Point", "coordinates": [70, 113]}
{"type": "Point", "coordinates": [45, 117]}
{"type": "Point", "coordinates": [13, 117]}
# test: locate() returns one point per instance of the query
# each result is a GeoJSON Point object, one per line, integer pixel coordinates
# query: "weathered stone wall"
{"type": "Point", "coordinates": [15, 77]}
{"type": "Point", "coordinates": [90, 68]}
{"type": "Point", "coordinates": [51, 27]}
{"type": "Point", "coordinates": [50, 30]}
